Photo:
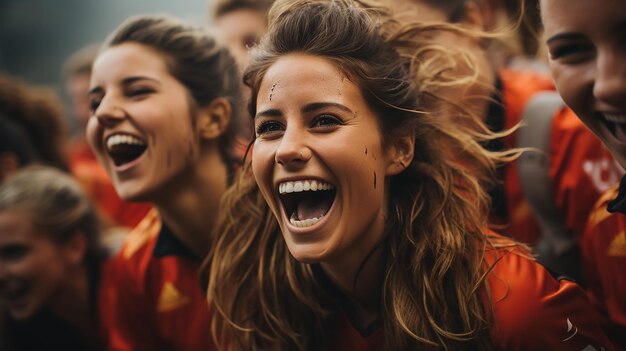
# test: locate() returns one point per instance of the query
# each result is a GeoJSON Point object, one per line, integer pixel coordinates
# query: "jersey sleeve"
{"type": "Point", "coordinates": [533, 311]}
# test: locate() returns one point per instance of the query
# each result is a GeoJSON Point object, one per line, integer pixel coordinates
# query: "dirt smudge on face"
{"type": "Point", "coordinates": [374, 179]}
{"type": "Point", "coordinates": [272, 90]}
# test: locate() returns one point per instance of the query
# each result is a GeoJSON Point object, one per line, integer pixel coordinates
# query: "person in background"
{"type": "Point", "coordinates": [32, 126]}
{"type": "Point", "coordinates": [518, 47]}
{"type": "Point", "coordinates": [578, 168]}
{"type": "Point", "coordinates": [119, 215]}
{"type": "Point", "coordinates": [162, 95]}
{"type": "Point", "coordinates": [360, 221]}
{"type": "Point", "coordinates": [240, 24]}
{"type": "Point", "coordinates": [585, 41]}
{"type": "Point", "coordinates": [50, 263]}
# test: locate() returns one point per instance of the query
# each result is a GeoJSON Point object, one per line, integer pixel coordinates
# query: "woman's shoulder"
{"type": "Point", "coordinates": [533, 309]}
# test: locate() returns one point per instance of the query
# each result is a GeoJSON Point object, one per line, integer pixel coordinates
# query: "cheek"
{"type": "Point", "coordinates": [93, 132]}
{"type": "Point", "coordinates": [262, 163]}
{"type": "Point", "coordinates": [569, 83]}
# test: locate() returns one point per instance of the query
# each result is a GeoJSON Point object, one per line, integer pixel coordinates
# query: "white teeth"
{"type": "Point", "coordinates": [123, 139]}
{"type": "Point", "coordinates": [304, 223]}
{"type": "Point", "coordinates": [300, 186]}
{"type": "Point", "coordinates": [616, 118]}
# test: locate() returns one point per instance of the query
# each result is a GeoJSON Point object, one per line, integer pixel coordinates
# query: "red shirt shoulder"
{"type": "Point", "coordinates": [533, 311]}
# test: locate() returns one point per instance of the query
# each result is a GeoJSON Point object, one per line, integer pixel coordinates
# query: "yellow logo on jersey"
{"type": "Point", "coordinates": [171, 299]}
{"type": "Point", "coordinates": [618, 246]}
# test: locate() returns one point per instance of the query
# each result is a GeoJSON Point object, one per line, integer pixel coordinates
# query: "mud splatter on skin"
{"type": "Point", "coordinates": [272, 91]}
{"type": "Point", "coordinates": [374, 179]}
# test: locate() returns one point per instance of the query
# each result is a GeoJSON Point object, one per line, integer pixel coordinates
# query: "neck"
{"type": "Point", "coordinates": [73, 304]}
{"type": "Point", "coordinates": [190, 207]}
{"type": "Point", "coordinates": [361, 282]}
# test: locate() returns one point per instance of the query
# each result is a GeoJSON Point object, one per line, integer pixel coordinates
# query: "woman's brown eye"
{"type": "Point", "coordinates": [250, 41]}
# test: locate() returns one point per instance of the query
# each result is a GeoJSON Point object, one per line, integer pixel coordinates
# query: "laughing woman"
{"type": "Point", "coordinates": [586, 42]}
{"type": "Point", "coordinates": [50, 263]}
{"type": "Point", "coordinates": [162, 96]}
{"type": "Point", "coordinates": [383, 243]}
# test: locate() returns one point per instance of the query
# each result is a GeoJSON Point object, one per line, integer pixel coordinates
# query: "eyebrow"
{"type": "Point", "coordinates": [306, 109]}
{"type": "Point", "coordinates": [125, 81]}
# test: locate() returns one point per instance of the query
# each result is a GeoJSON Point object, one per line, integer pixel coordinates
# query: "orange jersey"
{"type": "Point", "coordinates": [533, 311]}
{"type": "Point", "coordinates": [97, 186]}
{"type": "Point", "coordinates": [151, 297]}
{"type": "Point", "coordinates": [581, 169]}
{"type": "Point", "coordinates": [603, 249]}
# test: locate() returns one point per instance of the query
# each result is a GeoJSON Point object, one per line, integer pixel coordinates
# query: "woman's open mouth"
{"type": "Point", "coordinates": [306, 202]}
{"type": "Point", "coordinates": [616, 124]}
{"type": "Point", "coordinates": [125, 148]}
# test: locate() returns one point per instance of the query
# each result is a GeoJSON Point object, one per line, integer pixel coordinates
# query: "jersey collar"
{"type": "Point", "coordinates": [169, 245]}
{"type": "Point", "coordinates": [619, 203]}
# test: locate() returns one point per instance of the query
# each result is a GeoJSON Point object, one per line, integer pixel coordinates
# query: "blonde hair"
{"type": "Point", "coordinates": [434, 288]}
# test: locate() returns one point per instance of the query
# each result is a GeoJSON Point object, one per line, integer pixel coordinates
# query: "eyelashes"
{"type": "Point", "coordinates": [321, 122]}
{"type": "Point", "coordinates": [572, 52]}
{"type": "Point", "coordinates": [269, 127]}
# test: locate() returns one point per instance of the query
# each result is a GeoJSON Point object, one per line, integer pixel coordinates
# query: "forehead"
{"type": "Point", "coordinates": [16, 224]}
{"type": "Point", "coordinates": [581, 15]}
{"type": "Point", "coordinates": [240, 21]}
{"type": "Point", "coordinates": [300, 76]}
{"type": "Point", "coordinates": [129, 58]}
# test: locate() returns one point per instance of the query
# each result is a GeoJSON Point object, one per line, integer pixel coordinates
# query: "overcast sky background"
{"type": "Point", "coordinates": [37, 35]}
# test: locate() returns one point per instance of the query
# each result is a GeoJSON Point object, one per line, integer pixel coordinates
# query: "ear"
{"type": "Point", "coordinates": [473, 17]}
{"type": "Point", "coordinates": [76, 248]}
{"type": "Point", "coordinates": [9, 164]}
{"type": "Point", "coordinates": [400, 154]}
{"type": "Point", "coordinates": [213, 119]}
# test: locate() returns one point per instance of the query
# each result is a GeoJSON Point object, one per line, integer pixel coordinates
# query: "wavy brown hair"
{"type": "Point", "coordinates": [434, 290]}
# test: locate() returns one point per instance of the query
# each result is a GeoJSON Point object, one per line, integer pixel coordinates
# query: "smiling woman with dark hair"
{"type": "Point", "coordinates": [587, 45]}
{"type": "Point", "coordinates": [162, 97]}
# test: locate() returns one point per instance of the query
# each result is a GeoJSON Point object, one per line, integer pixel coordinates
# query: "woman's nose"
{"type": "Point", "coordinates": [109, 112]}
{"type": "Point", "coordinates": [292, 151]}
{"type": "Point", "coordinates": [610, 83]}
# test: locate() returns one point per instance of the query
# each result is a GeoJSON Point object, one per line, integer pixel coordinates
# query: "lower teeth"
{"type": "Point", "coordinates": [303, 223]}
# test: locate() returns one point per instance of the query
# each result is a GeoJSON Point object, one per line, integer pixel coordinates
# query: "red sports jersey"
{"type": "Point", "coordinates": [96, 184]}
{"type": "Point", "coordinates": [581, 169]}
{"type": "Point", "coordinates": [604, 264]}
{"type": "Point", "coordinates": [533, 311]}
{"type": "Point", "coordinates": [151, 297]}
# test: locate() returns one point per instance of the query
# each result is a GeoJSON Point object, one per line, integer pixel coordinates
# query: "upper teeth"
{"type": "Point", "coordinates": [123, 139]}
{"type": "Point", "coordinates": [617, 118]}
{"type": "Point", "coordinates": [303, 185]}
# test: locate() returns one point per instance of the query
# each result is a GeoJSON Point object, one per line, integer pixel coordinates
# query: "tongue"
{"type": "Point", "coordinates": [314, 205]}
